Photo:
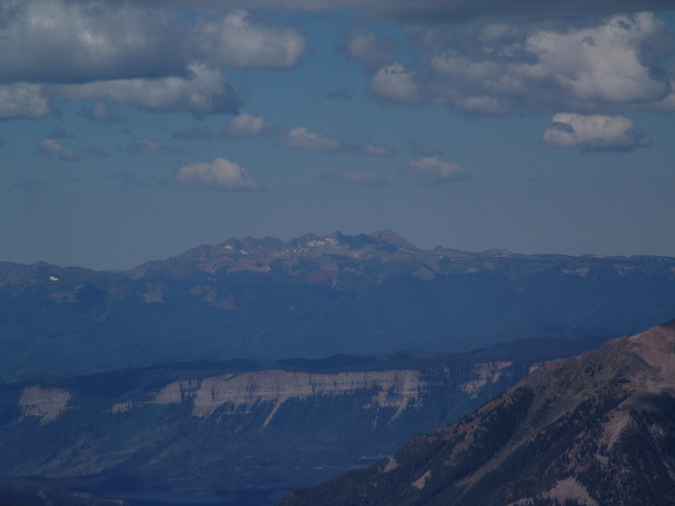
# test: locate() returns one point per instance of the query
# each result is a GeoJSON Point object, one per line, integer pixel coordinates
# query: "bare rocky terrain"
{"type": "Point", "coordinates": [597, 429]}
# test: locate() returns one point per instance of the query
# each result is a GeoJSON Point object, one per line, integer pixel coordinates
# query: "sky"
{"type": "Point", "coordinates": [135, 130]}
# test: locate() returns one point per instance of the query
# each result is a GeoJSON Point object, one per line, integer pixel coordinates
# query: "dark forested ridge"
{"type": "Point", "coordinates": [313, 297]}
{"type": "Point", "coordinates": [597, 429]}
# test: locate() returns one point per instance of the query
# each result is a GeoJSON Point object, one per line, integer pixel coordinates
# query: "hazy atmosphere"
{"type": "Point", "coordinates": [136, 130]}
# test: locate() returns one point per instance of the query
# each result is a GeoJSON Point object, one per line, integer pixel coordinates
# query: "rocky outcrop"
{"type": "Point", "coordinates": [46, 404]}
{"type": "Point", "coordinates": [484, 374]}
{"type": "Point", "coordinates": [393, 389]}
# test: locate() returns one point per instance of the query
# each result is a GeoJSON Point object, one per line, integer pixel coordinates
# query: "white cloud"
{"type": "Point", "coordinates": [395, 84]}
{"type": "Point", "coordinates": [221, 174]}
{"type": "Point", "coordinates": [23, 100]}
{"type": "Point", "coordinates": [594, 133]}
{"type": "Point", "coordinates": [56, 41]}
{"type": "Point", "coordinates": [51, 147]}
{"type": "Point", "coordinates": [302, 138]}
{"type": "Point", "coordinates": [245, 126]}
{"type": "Point", "coordinates": [62, 41]}
{"type": "Point", "coordinates": [150, 146]}
{"type": "Point", "coordinates": [239, 44]}
{"type": "Point", "coordinates": [354, 177]}
{"type": "Point", "coordinates": [500, 69]}
{"type": "Point", "coordinates": [374, 150]}
{"type": "Point", "coordinates": [432, 171]}
{"type": "Point", "coordinates": [371, 51]}
{"type": "Point", "coordinates": [205, 91]}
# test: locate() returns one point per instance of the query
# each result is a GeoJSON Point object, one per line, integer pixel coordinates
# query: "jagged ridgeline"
{"type": "Point", "coordinates": [209, 426]}
{"type": "Point", "coordinates": [597, 429]}
{"type": "Point", "coordinates": [314, 297]}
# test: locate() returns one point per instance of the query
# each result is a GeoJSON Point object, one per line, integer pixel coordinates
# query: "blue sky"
{"type": "Point", "coordinates": [136, 130]}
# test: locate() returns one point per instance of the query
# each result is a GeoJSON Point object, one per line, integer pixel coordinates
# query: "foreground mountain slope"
{"type": "Point", "coordinates": [231, 425]}
{"type": "Point", "coordinates": [597, 429]}
{"type": "Point", "coordinates": [313, 297]}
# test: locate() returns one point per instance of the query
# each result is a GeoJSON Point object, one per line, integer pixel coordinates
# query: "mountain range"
{"type": "Point", "coordinates": [314, 297]}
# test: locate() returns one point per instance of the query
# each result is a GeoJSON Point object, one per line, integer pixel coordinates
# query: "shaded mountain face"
{"type": "Point", "coordinates": [597, 429]}
{"type": "Point", "coordinates": [232, 425]}
{"type": "Point", "coordinates": [314, 297]}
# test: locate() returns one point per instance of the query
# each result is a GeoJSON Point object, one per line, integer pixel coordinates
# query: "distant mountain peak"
{"type": "Point", "coordinates": [391, 237]}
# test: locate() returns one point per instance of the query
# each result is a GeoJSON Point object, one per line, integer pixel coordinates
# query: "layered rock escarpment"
{"type": "Point", "coordinates": [393, 389]}
{"type": "Point", "coordinates": [252, 427]}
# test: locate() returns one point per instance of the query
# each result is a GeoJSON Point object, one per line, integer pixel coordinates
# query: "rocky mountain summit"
{"type": "Point", "coordinates": [597, 429]}
{"type": "Point", "coordinates": [332, 254]}
{"type": "Point", "coordinates": [314, 297]}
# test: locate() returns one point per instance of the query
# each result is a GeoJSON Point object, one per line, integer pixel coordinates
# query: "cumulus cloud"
{"type": "Point", "coordinates": [354, 177]}
{"type": "Point", "coordinates": [205, 91]}
{"type": "Point", "coordinates": [245, 126]}
{"type": "Point", "coordinates": [500, 69]}
{"type": "Point", "coordinates": [432, 171]}
{"type": "Point", "coordinates": [220, 174]}
{"type": "Point", "coordinates": [369, 50]}
{"type": "Point", "coordinates": [303, 138]}
{"type": "Point", "coordinates": [594, 133]}
{"type": "Point", "coordinates": [96, 150]}
{"type": "Point", "coordinates": [237, 43]}
{"type": "Point", "coordinates": [371, 149]}
{"type": "Point", "coordinates": [396, 84]}
{"type": "Point", "coordinates": [23, 100]}
{"type": "Point", "coordinates": [150, 146]}
{"type": "Point", "coordinates": [100, 113]}
{"type": "Point", "coordinates": [51, 147]}
{"type": "Point", "coordinates": [59, 41]}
